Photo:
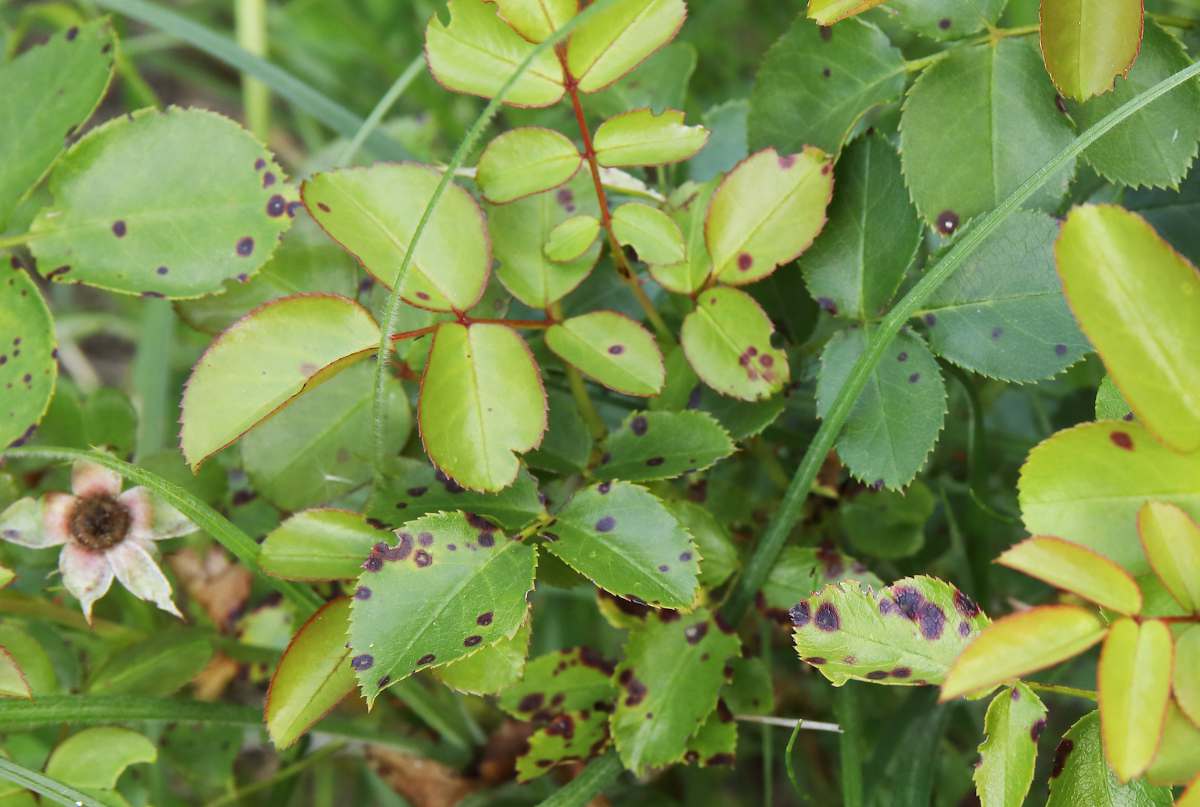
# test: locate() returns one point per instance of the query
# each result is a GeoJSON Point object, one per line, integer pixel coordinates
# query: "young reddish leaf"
{"type": "Point", "coordinates": [269, 357]}
{"type": "Point", "coordinates": [1119, 275]}
{"type": "Point", "coordinates": [1178, 759]}
{"type": "Point", "coordinates": [766, 212]}
{"type": "Point", "coordinates": [313, 675]}
{"type": "Point", "coordinates": [827, 12]}
{"type": "Point", "coordinates": [1186, 681]}
{"type": "Point", "coordinates": [621, 37]}
{"type": "Point", "coordinates": [1171, 539]}
{"type": "Point", "coordinates": [727, 341]}
{"type": "Point", "coordinates": [29, 371]}
{"type": "Point", "coordinates": [1081, 776]}
{"type": "Point", "coordinates": [1134, 679]}
{"type": "Point", "coordinates": [612, 349]}
{"type": "Point", "coordinates": [1088, 43]}
{"type": "Point", "coordinates": [491, 669]}
{"type": "Point", "coordinates": [570, 239]}
{"type": "Point", "coordinates": [477, 52]}
{"type": "Point", "coordinates": [907, 634]}
{"type": "Point", "coordinates": [12, 679]}
{"type": "Point", "coordinates": [601, 533]}
{"type": "Point", "coordinates": [1077, 569]}
{"type": "Point", "coordinates": [1022, 643]}
{"type": "Point", "coordinates": [131, 214]}
{"type": "Point", "coordinates": [652, 233]}
{"type": "Point", "coordinates": [663, 445]}
{"type": "Point", "coordinates": [482, 404]}
{"type": "Point", "coordinates": [673, 671]}
{"type": "Point", "coordinates": [1014, 721]}
{"type": "Point", "coordinates": [319, 545]}
{"type": "Point", "coordinates": [536, 19]}
{"type": "Point", "coordinates": [525, 161]}
{"type": "Point", "coordinates": [373, 212]}
{"type": "Point", "coordinates": [1086, 485]}
{"type": "Point", "coordinates": [450, 586]}
{"type": "Point", "coordinates": [640, 137]}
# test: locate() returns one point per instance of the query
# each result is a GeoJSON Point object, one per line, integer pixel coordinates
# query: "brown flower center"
{"type": "Point", "coordinates": [99, 522]}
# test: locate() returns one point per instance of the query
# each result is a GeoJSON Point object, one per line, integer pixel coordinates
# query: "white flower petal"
{"type": "Point", "coordinates": [90, 479]}
{"type": "Point", "coordinates": [138, 572]}
{"type": "Point", "coordinates": [86, 574]}
{"type": "Point", "coordinates": [153, 518]}
{"type": "Point", "coordinates": [57, 509]}
{"type": "Point", "coordinates": [22, 523]}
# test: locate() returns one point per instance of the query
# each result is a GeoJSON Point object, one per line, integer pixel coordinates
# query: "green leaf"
{"type": "Point", "coordinates": [715, 742]}
{"type": "Point", "coordinates": [766, 212]}
{"type": "Point", "coordinates": [569, 737]}
{"type": "Point", "coordinates": [568, 444]}
{"type": "Point", "coordinates": [640, 137]}
{"type": "Point", "coordinates": [96, 757]}
{"type": "Point", "coordinates": [896, 420]}
{"type": "Point", "coordinates": [1021, 643]}
{"type": "Point", "coordinates": [801, 571]}
{"type": "Point", "coordinates": [652, 233]}
{"type": "Point", "coordinates": [30, 659]}
{"type": "Point", "coordinates": [1081, 776]}
{"type": "Point", "coordinates": [886, 523]}
{"type": "Point", "coordinates": [1171, 540]}
{"type": "Point", "coordinates": [1110, 403]}
{"type": "Point", "coordinates": [52, 91]}
{"type": "Point", "coordinates": [1186, 683]}
{"type": "Point", "coordinates": [1171, 212]}
{"type": "Point", "coordinates": [28, 369]}
{"type": "Point", "coordinates": [1156, 145]}
{"type": "Point", "coordinates": [751, 690]}
{"type": "Point", "coordinates": [619, 38]}
{"type": "Point", "coordinates": [12, 679]}
{"type": "Point", "coordinates": [316, 449]}
{"type": "Point", "coordinates": [1086, 485]}
{"type": "Point", "coordinates": [663, 445]}
{"type": "Point", "coordinates": [727, 146]}
{"type": "Point", "coordinates": [907, 634]}
{"type": "Point", "coordinates": [571, 238]}
{"type": "Point", "coordinates": [450, 586]}
{"type": "Point", "coordinates": [1077, 569]}
{"type": "Point", "coordinates": [857, 262]}
{"type": "Point", "coordinates": [1015, 718]}
{"type": "Point", "coordinates": [280, 350]}
{"type": "Point", "coordinates": [412, 488]}
{"type": "Point", "coordinates": [579, 674]}
{"type": "Point", "coordinates": [672, 670]}
{"type": "Point", "coordinates": [1088, 43]}
{"type": "Point", "coordinates": [525, 161]}
{"type": "Point", "coordinates": [727, 340]}
{"type": "Point", "coordinates": [601, 533]}
{"type": "Point", "coordinates": [482, 404]}
{"type": "Point", "coordinates": [975, 126]}
{"type": "Point", "coordinates": [521, 231]}
{"type": "Point", "coordinates": [130, 214]}
{"type": "Point", "coordinates": [477, 52]}
{"type": "Point", "coordinates": [313, 675]}
{"type": "Point", "coordinates": [690, 274]}
{"type": "Point", "coordinates": [319, 545]}
{"type": "Point", "coordinates": [1119, 276]}
{"type": "Point", "coordinates": [158, 666]}
{"type": "Point", "coordinates": [1003, 314]}
{"type": "Point", "coordinates": [947, 19]}
{"type": "Point", "coordinates": [536, 19]}
{"type": "Point", "coordinates": [373, 212]}
{"type": "Point", "coordinates": [1134, 681]}
{"type": "Point", "coordinates": [611, 349]}
{"type": "Point", "coordinates": [827, 12]}
{"type": "Point", "coordinates": [718, 555]}
{"type": "Point", "coordinates": [492, 669]}
{"type": "Point", "coordinates": [306, 261]}
{"type": "Point", "coordinates": [1178, 759]}
{"type": "Point", "coordinates": [815, 84]}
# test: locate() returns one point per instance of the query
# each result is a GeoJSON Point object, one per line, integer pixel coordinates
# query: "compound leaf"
{"type": "Point", "coordinates": [612, 349]}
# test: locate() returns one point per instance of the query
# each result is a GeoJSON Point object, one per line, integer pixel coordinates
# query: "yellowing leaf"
{"type": "Point", "coordinates": [766, 212]}
{"type": "Point", "coordinates": [640, 137]}
{"type": "Point", "coordinates": [620, 38]}
{"type": "Point", "coordinates": [571, 238]}
{"type": "Point", "coordinates": [96, 757]}
{"type": "Point", "coordinates": [526, 161]}
{"type": "Point", "coordinates": [612, 349]}
{"type": "Point", "coordinates": [1088, 43]}
{"type": "Point", "coordinates": [1135, 684]}
{"type": "Point", "coordinates": [1178, 759]}
{"type": "Point", "coordinates": [652, 233]}
{"type": "Point", "coordinates": [827, 12]}
{"type": "Point", "coordinates": [536, 19]}
{"type": "Point", "coordinates": [1171, 539]}
{"type": "Point", "coordinates": [477, 52]}
{"type": "Point", "coordinates": [1077, 569]}
{"type": "Point", "coordinates": [1022, 643]}
{"type": "Point", "coordinates": [727, 340]}
{"type": "Point", "coordinates": [1187, 672]}
{"type": "Point", "coordinates": [1138, 301]}
{"type": "Point", "coordinates": [12, 679]}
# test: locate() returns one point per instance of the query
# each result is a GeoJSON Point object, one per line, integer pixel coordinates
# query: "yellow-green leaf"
{"type": "Point", "coordinates": [1171, 539]}
{"type": "Point", "coordinates": [1022, 643]}
{"type": "Point", "coordinates": [571, 238]}
{"type": "Point", "coordinates": [1014, 721]}
{"type": "Point", "coordinates": [640, 137]}
{"type": "Point", "coordinates": [491, 669]}
{"type": "Point", "coordinates": [536, 19]}
{"type": "Point", "coordinates": [827, 12]}
{"type": "Point", "coordinates": [1138, 301]}
{"type": "Point", "coordinates": [1178, 759]}
{"type": "Point", "coordinates": [1077, 569]}
{"type": "Point", "coordinates": [96, 757]}
{"type": "Point", "coordinates": [727, 340]}
{"type": "Point", "coordinates": [619, 38]}
{"type": "Point", "coordinates": [612, 349]}
{"type": "Point", "coordinates": [1187, 672]}
{"type": "Point", "coordinates": [654, 236]}
{"type": "Point", "coordinates": [525, 161]}
{"type": "Point", "coordinates": [12, 679]}
{"type": "Point", "coordinates": [1088, 43]}
{"type": "Point", "coordinates": [1134, 679]}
